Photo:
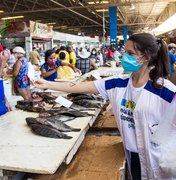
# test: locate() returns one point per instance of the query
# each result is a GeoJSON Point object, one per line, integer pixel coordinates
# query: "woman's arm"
{"type": "Point", "coordinates": [16, 68]}
{"type": "Point", "coordinates": [47, 74]}
{"type": "Point", "coordinates": [3, 61]}
{"type": "Point", "coordinates": [93, 64]}
{"type": "Point", "coordinates": [71, 87]}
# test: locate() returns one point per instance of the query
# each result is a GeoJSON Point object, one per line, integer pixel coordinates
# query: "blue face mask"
{"type": "Point", "coordinates": [129, 63]}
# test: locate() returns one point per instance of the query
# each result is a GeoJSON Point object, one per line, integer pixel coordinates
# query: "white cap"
{"type": "Point", "coordinates": [172, 45]}
{"type": "Point", "coordinates": [18, 49]}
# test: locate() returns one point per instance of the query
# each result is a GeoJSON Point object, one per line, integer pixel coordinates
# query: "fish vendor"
{"type": "Point", "coordinates": [49, 68]}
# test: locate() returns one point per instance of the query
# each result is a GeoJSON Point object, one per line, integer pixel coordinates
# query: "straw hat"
{"type": "Point", "coordinates": [84, 53]}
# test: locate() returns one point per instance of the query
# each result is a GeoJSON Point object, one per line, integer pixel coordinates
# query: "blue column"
{"type": "Point", "coordinates": [125, 33]}
{"type": "Point", "coordinates": [113, 24]}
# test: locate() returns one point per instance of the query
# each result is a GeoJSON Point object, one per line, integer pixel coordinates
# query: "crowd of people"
{"type": "Point", "coordinates": [138, 99]}
{"type": "Point", "coordinates": [81, 60]}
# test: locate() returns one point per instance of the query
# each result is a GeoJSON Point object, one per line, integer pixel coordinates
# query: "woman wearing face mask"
{"type": "Point", "coordinates": [20, 71]}
{"type": "Point", "coordinates": [49, 68]}
{"type": "Point", "coordinates": [139, 100]}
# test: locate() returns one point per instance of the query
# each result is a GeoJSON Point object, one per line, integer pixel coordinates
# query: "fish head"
{"type": "Point", "coordinates": [30, 121]}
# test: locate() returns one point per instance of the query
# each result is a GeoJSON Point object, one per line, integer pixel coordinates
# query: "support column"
{"type": "Point", "coordinates": [28, 45]}
{"type": "Point", "coordinates": [125, 33]}
{"type": "Point", "coordinates": [113, 24]}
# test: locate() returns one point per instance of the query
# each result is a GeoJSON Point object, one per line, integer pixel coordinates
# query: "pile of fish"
{"type": "Point", "coordinates": [38, 103]}
{"type": "Point", "coordinates": [51, 121]}
{"type": "Point", "coordinates": [81, 102]}
{"type": "Point", "coordinates": [51, 126]}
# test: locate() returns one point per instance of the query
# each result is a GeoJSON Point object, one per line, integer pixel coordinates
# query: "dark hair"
{"type": "Point", "coordinates": [62, 55]}
{"type": "Point", "coordinates": [156, 50]}
{"type": "Point", "coordinates": [68, 49]}
{"type": "Point", "coordinates": [62, 48]}
{"type": "Point", "coordinates": [48, 53]}
{"type": "Point", "coordinates": [57, 51]}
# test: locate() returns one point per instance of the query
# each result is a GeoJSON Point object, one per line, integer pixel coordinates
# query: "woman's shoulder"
{"type": "Point", "coordinates": [119, 81]}
{"type": "Point", "coordinates": [168, 84]}
{"type": "Point", "coordinates": [44, 66]}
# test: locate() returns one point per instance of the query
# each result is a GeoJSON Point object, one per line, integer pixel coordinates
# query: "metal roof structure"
{"type": "Point", "coordinates": [86, 16]}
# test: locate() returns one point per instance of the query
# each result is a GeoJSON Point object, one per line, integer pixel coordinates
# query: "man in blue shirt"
{"type": "Point", "coordinates": [171, 48]}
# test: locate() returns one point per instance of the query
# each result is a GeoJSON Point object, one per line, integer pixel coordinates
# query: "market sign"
{"type": "Point", "coordinates": [15, 29]}
{"type": "Point", "coordinates": [39, 30]}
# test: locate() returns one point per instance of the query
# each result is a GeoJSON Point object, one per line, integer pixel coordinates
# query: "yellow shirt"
{"type": "Point", "coordinates": [72, 58]}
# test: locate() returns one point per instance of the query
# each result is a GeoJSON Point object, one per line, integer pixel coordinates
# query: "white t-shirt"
{"type": "Point", "coordinates": [126, 113]}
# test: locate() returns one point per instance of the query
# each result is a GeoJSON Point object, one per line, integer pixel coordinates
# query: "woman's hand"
{"type": "Point", "coordinates": [76, 70]}
{"type": "Point", "coordinates": [40, 83]}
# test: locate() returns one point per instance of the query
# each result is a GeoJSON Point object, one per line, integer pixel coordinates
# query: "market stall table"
{"type": "Point", "coordinates": [21, 150]}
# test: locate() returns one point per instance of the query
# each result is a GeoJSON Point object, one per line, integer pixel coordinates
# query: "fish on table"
{"type": "Point", "coordinates": [30, 108]}
{"type": "Point", "coordinates": [51, 122]}
{"type": "Point", "coordinates": [43, 130]}
{"type": "Point", "coordinates": [60, 117]}
{"type": "Point", "coordinates": [78, 96]}
{"type": "Point", "coordinates": [88, 103]}
{"type": "Point", "coordinates": [68, 112]}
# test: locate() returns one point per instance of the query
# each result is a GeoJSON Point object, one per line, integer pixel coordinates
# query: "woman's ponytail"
{"type": "Point", "coordinates": [160, 63]}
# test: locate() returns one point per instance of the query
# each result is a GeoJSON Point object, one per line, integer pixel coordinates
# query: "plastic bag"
{"type": "Point", "coordinates": [31, 71]}
{"type": "Point", "coordinates": [165, 136]}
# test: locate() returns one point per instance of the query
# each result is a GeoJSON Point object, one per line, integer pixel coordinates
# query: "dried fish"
{"type": "Point", "coordinates": [46, 131]}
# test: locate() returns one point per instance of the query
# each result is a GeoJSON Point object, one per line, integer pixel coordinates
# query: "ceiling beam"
{"type": "Point", "coordinates": [63, 8]}
{"type": "Point", "coordinates": [79, 14]}
{"type": "Point", "coordinates": [129, 24]}
{"type": "Point", "coordinates": [16, 2]}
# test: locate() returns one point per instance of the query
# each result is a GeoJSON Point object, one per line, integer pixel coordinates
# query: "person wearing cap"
{"type": "Point", "coordinates": [84, 63]}
{"type": "Point", "coordinates": [20, 71]}
{"type": "Point", "coordinates": [49, 68]}
{"type": "Point", "coordinates": [4, 104]}
{"type": "Point", "coordinates": [171, 48]}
